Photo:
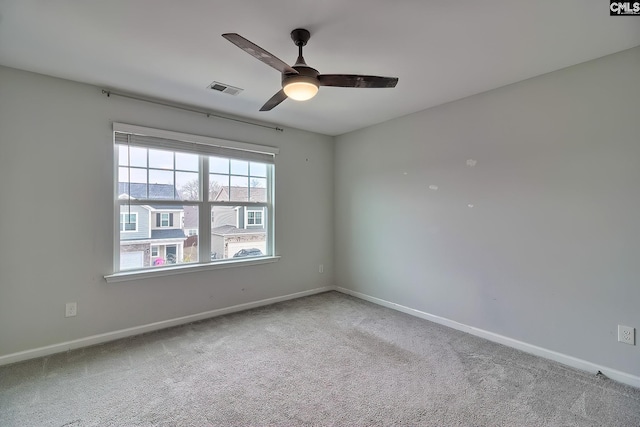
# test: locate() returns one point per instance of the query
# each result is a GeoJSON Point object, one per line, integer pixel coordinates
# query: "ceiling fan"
{"type": "Point", "coordinates": [299, 81]}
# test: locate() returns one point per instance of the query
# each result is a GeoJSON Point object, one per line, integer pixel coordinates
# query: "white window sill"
{"type": "Point", "coordinates": [186, 268]}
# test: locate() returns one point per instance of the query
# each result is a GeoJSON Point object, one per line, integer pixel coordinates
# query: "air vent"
{"type": "Point", "coordinates": [225, 88]}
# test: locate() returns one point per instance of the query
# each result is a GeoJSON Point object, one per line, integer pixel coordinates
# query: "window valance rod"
{"type": "Point", "coordinates": [185, 108]}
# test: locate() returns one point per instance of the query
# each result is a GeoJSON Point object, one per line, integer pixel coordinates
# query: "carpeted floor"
{"type": "Point", "coordinates": [328, 359]}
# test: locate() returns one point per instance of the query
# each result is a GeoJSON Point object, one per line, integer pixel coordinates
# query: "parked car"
{"type": "Point", "coordinates": [248, 252]}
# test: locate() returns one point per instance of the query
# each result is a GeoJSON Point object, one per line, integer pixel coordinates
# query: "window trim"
{"type": "Point", "coordinates": [195, 143]}
{"type": "Point", "coordinates": [123, 229]}
{"type": "Point", "coordinates": [160, 223]}
{"type": "Point", "coordinates": [204, 143]}
{"type": "Point", "coordinates": [247, 210]}
{"type": "Point", "coordinates": [174, 269]}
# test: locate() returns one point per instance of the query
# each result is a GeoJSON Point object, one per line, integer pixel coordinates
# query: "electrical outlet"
{"type": "Point", "coordinates": [321, 269]}
{"type": "Point", "coordinates": [71, 309]}
{"type": "Point", "coordinates": [627, 334]}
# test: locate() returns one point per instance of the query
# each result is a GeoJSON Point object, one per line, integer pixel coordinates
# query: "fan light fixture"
{"type": "Point", "coordinates": [300, 90]}
{"type": "Point", "coordinates": [300, 82]}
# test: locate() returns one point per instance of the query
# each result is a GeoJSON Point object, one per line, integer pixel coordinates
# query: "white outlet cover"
{"type": "Point", "coordinates": [627, 334]}
{"type": "Point", "coordinates": [71, 309]}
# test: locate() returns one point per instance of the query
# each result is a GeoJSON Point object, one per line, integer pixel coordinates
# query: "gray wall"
{"type": "Point", "coordinates": [56, 155]}
{"type": "Point", "coordinates": [550, 252]}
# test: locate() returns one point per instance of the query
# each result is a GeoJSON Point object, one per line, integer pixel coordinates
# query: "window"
{"type": "Point", "coordinates": [254, 218]}
{"type": "Point", "coordinates": [164, 220]}
{"type": "Point", "coordinates": [195, 202]}
{"type": "Point", "coordinates": [128, 222]}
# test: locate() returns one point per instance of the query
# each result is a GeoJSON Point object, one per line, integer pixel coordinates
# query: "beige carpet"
{"type": "Point", "coordinates": [327, 359]}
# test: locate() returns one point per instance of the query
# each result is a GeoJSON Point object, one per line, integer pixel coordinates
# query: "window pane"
{"type": "Point", "coordinates": [138, 156]}
{"type": "Point", "coordinates": [258, 182]}
{"type": "Point", "coordinates": [187, 162]}
{"type": "Point", "coordinates": [160, 159]}
{"type": "Point", "coordinates": [123, 174]}
{"type": "Point", "coordinates": [132, 190]}
{"type": "Point", "coordinates": [229, 237]}
{"type": "Point", "coordinates": [123, 155]}
{"type": "Point", "coordinates": [174, 241]}
{"type": "Point", "coordinates": [219, 188]}
{"type": "Point", "coordinates": [239, 189]}
{"type": "Point", "coordinates": [164, 219]}
{"type": "Point", "coordinates": [258, 169]}
{"type": "Point", "coordinates": [258, 190]}
{"type": "Point", "coordinates": [132, 229]}
{"type": "Point", "coordinates": [239, 167]}
{"type": "Point", "coordinates": [218, 165]}
{"type": "Point", "coordinates": [132, 175]}
{"type": "Point", "coordinates": [190, 227]}
{"type": "Point", "coordinates": [188, 185]}
{"type": "Point", "coordinates": [160, 177]}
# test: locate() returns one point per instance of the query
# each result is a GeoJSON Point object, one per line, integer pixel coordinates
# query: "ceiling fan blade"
{"type": "Point", "coordinates": [355, 80]}
{"type": "Point", "coordinates": [274, 101]}
{"type": "Point", "coordinates": [259, 53]}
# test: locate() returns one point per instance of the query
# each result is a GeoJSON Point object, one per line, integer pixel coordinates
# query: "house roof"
{"type": "Point", "coordinates": [139, 191]}
{"type": "Point", "coordinates": [171, 233]}
{"type": "Point", "coordinates": [241, 194]}
{"type": "Point", "coordinates": [225, 230]}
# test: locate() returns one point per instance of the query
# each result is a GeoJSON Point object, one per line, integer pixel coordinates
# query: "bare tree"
{"type": "Point", "coordinates": [191, 189]}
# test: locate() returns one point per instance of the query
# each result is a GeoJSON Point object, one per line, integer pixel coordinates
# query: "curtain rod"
{"type": "Point", "coordinates": [192, 110]}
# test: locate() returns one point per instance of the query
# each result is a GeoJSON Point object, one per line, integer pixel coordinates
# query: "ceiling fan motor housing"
{"type": "Point", "coordinates": [305, 74]}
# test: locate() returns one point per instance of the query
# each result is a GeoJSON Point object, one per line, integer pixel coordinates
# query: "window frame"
{"type": "Point", "coordinates": [204, 204]}
{"type": "Point", "coordinates": [247, 211]}
{"type": "Point", "coordinates": [122, 225]}
{"type": "Point", "coordinates": [162, 220]}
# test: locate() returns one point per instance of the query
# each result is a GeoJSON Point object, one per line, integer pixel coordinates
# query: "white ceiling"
{"type": "Point", "coordinates": [440, 50]}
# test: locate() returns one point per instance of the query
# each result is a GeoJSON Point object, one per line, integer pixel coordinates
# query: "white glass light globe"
{"type": "Point", "coordinates": [300, 91]}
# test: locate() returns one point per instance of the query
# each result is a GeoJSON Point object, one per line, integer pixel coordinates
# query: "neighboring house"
{"type": "Point", "coordinates": [150, 234]}
{"type": "Point", "coordinates": [234, 228]}
{"type": "Point", "coordinates": [190, 227]}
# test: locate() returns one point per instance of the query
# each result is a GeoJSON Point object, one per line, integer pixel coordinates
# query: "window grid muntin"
{"type": "Point", "coordinates": [248, 176]}
{"type": "Point", "coordinates": [149, 169]}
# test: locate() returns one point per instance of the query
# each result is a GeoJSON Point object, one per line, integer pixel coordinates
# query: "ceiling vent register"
{"type": "Point", "coordinates": [225, 88]}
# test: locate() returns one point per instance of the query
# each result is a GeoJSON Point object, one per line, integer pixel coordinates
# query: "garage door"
{"type": "Point", "coordinates": [130, 260]}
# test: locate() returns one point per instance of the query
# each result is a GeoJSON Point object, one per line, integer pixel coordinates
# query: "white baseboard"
{"type": "Point", "coordinates": [123, 333]}
{"type": "Point", "coordinates": [571, 361]}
